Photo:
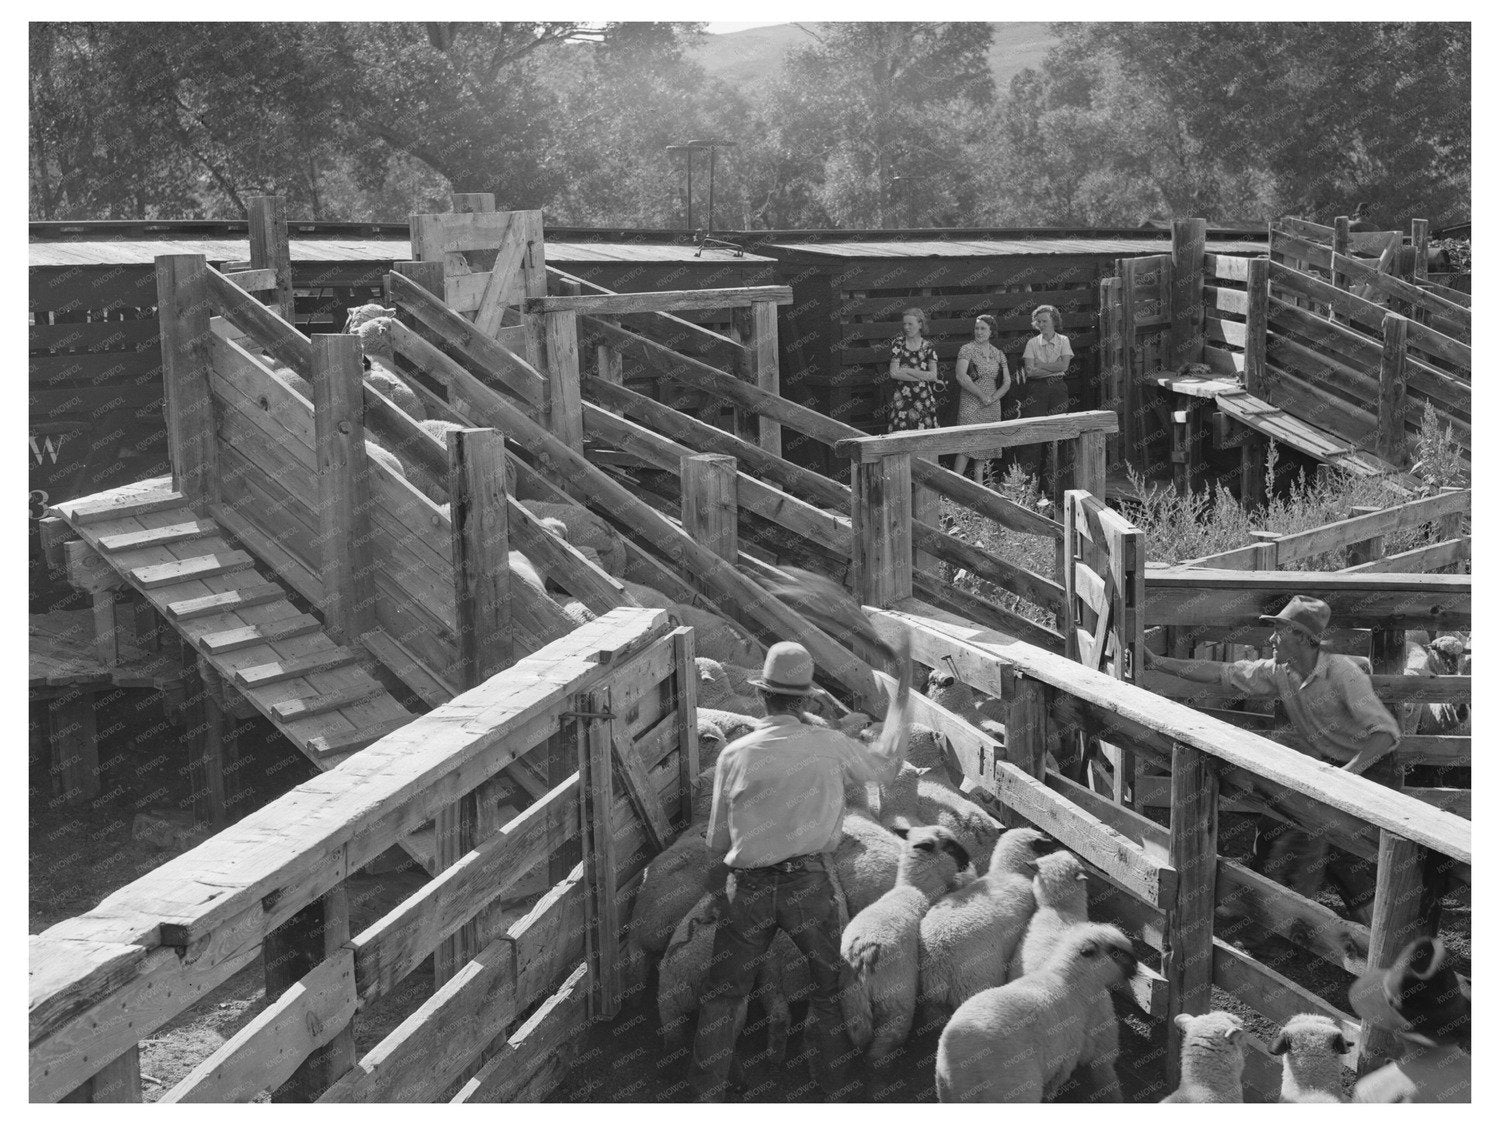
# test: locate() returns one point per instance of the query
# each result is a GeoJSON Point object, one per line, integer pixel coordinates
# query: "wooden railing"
{"type": "Point", "coordinates": [1165, 882]}
{"type": "Point", "coordinates": [615, 703]}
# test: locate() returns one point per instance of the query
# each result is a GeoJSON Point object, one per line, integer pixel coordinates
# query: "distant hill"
{"type": "Point", "coordinates": [748, 60]}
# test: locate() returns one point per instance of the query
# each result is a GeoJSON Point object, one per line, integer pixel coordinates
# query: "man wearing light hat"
{"type": "Point", "coordinates": [1337, 717]}
{"type": "Point", "coordinates": [778, 808]}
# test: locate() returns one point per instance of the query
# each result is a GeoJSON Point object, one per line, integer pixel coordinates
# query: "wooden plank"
{"type": "Point", "coordinates": [1396, 919]}
{"type": "Point", "coordinates": [562, 409]}
{"type": "Point", "coordinates": [553, 1027]}
{"type": "Point", "coordinates": [1388, 521]}
{"type": "Point", "coordinates": [671, 300]}
{"type": "Point", "coordinates": [980, 436]}
{"type": "Point", "coordinates": [253, 281]}
{"type": "Point", "coordinates": [271, 250]}
{"type": "Point", "coordinates": [1419, 560]}
{"type": "Point", "coordinates": [1188, 947]}
{"type": "Point", "coordinates": [188, 570]}
{"type": "Point", "coordinates": [343, 487]}
{"type": "Point", "coordinates": [264, 1053]}
{"type": "Point", "coordinates": [182, 312]}
{"type": "Point", "coordinates": [246, 636]}
{"type": "Point", "coordinates": [157, 536]}
{"type": "Point", "coordinates": [306, 707]}
{"type": "Point", "coordinates": [479, 507]}
{"type": "Point", "coordinates": [596, 740]}
{"type": "Point", "coordinates": [262, 675]}
{"type": "Point", "coordinates": [709, 506]}
{"type": "Point", "coordinates": [349, 742]}
{"type": "Point", "coordinates": [882, 559]}
{"type": "Point", "coordinates": [685, 693]}
{"type": "Point", "coordinates": [229, 601]}
{"type": "Point", "coordinates": [1265, 990]}
{"type": "Point", "coordinates": [764, 366]}
{"type": "Point", "coordinates": [1385, 285]}
{"type": "Point", "coordinates": [1212, 597]}
{"type": "Point", "coordinates": [1390, 436]}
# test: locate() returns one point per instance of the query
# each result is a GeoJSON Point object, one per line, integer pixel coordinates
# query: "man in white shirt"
{"type": "Point", "coordinates": [778, 810]}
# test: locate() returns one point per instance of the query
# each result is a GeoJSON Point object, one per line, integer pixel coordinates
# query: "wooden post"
{"type": "Point", "coordinates": [1390, 433]}
{"type": "Point", "coordinates": [183, 313]}
{"type": "Point", "coordinates": [1086, 460]}
{"type": "Point", "coordinates": [119, 1081]}
{"type": "Point", "coordinates": [882, 564]}
{"type": "Point", "coordinates": [210, 800]}
{"type": "Point", "coordinates": [1366, 550]}
{"type": "Point", "coordinates": [1340, 250]}
{"type": "Point", "coordinates": [926, 506]}
{"type": "Point", "coordinates": [1394, 923]}
{"type": "Point", "coordinates": [1187, 445]}
{"type": "Point", "coordinates": [1188, 940]}
{"type": "Point", "coordinates": [1419, 250]}
{"type": "Point", "coordinates": [288, 954]}
{"type": "Point", "coordinates": [472, 201]}
{"type": "Point", "coordinates": [1189, 239]}
{"type": "Point", "coordinates": [343, 486]}
{"type": "Point", "coordinates": [481, 552]}
{"type": "Point", "coordinates": [559, 341]}
{"type": "Point", "coordinates": [746, 427]}
{"type": "Point", "coordinates": [1253, 451]}
{"type": "Point", "coordinates": [271, 250]}
{"type": "Point", "coordinates": [1130, 395]}
{"type": "Point", "coordinates": [710, 505]}
{"type": "Point", "coordinates": [598, 730]}
{"type": "Point", "coordinates": [1028, 722]}
{"type": "Point", "coordinates": [1112, 364]}
{"type": "Point", "coordinates": [766, 364]}
{"type": "Point", "coordinates": [73, 737]}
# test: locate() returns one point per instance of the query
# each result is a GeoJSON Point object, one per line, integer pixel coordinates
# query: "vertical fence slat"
{"type": "Point", "coordinates": [1189, 242]}
{"type": "Point", "coordinates": [270, 249]}
{"type": "Point", "coordinates": [882, 563]}
{"type": "Point", "coordinates": [1394, 923]}
{"type": "Point", "coordinates": [685, 690]}
{"type": "Point", "coordinates": [766, 364]}
{"type": "Point", "coordinates": [1419, 250]}
{"type": "Point", "coordinates": [597, 734]}
{"type": "Point", "coordinates": [1390, 433]}
{"type": "Point", "coordinates": [288, 954]}
{"type": "Point", "coordinates": [1188, 943]}
{"type": "Point", "coordinates": [1253, 451]}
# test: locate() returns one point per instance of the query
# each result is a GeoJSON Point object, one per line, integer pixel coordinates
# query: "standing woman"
{"type": "Point", "coordinates": [983, 379]}
{"type": "Point", "coordinates": [914, 367]}
{"type": "Point", "coordinates": [1046, 361]}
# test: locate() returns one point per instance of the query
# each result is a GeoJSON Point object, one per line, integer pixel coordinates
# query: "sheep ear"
{"type": "Point", "coordinates": [1182, 1020]}
{"type": "Point", "coordinates": [1280, 1045]}
{"type": "Point", "coordinates": [1234, 1034]}
{"type": "Point", "coordinates": [1082, 876]}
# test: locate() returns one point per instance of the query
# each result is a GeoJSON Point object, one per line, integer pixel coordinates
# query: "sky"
{"type": "Point", "coordinates": [721, 28]}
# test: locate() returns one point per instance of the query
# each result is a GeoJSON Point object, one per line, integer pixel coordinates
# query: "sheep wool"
{"type": "Point", "coordinates": [1213, 1059]}
{"type": "Point", "coordinates": [1019, 1042]}
{"type": "Point", "coordinates": [1062, 899]}
{"type": "Point", "coordinates": [672, 885]}
{"type": "Point", "coordinates": [880, 944]}
{"type": "Point", "coordinates": [969, 936]}
{"type": "Point", "coordinates": [1312, 1048]}
{"type": "Point", "coordinates": [925, 796]}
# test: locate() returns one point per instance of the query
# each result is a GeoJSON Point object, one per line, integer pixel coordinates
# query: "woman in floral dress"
{"type": "Point", "coordinates": [914, 404]}
{"type": "Point", "coordinates": [983, 379]}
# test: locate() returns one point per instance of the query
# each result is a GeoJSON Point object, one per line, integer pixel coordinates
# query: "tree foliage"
{"type": "Point", "coordinates": [869, 125]}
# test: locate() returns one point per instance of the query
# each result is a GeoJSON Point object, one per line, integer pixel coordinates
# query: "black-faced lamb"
{"type": "Point", "coordinates": [1019, 1042]}
{"type": "Point", "coordinates": [1312, 1049]}
{"type": "Point", "coordinates": [880, 944]}
{"type": "Point", "coordinates": [1213, 1059]}
{"type": "Point", "coordinates": [970, 935]}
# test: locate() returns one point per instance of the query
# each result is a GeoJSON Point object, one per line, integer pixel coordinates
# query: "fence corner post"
{"type": "Point", "coordinates": [343, 486]}
{"type": "Point", "coordinates": [183, 314]}
{"type": "Point", "coordinates": [1188, 939]}
{"type": "Point", "coordinates": [710, 505]}
{"type": "Point", "coordinates": [882, 529]}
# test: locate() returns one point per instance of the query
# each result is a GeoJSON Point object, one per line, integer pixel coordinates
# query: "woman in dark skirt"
{"type": "Point", "coordinates": [914, 403]}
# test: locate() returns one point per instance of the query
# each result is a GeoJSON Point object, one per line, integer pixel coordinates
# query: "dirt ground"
{"type": "Point", "coordinates": [81, 853]}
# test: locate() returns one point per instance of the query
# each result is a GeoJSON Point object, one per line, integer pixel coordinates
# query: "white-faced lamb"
{"type": "Point", "coordinates": [1061, 890]}
{"type": "Point", "coordinates": [926, 796]}
{"type": "Point", "coordinates": [970, 935]}
{"type": "Point", "coordinates": [880, 944]}
{"type": "Point", "coordinates": [1312, 1049]}
{"type": "Point", "coordinates": [1019, 1042]}
{"type": "Point", "coordinates": [1213, 1059]}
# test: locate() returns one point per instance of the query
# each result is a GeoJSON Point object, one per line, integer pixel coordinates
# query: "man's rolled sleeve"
{"type": "Point", "coordinates": [717, 837]}
{"type": "Point", "coordinates": [1249, 677]}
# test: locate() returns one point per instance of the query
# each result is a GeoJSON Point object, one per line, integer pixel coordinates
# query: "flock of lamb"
{"type": "Point", "coordinates": [951, 919]}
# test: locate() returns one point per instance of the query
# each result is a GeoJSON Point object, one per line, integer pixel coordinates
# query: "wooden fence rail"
{"type": "Point", "coordinates": [105, 980]}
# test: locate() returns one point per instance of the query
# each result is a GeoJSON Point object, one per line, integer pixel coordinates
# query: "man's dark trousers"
{"type": "Point", "coordinates": [761, 900]}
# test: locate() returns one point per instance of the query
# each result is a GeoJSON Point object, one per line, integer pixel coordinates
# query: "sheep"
{"type": "Point", "coordinates": [726, 687]}
{"type": "Point", "coordinates": [970, 935]}
{"type": "Point", "coordinates": [952, 694]}
{"type": "Point", "coordinates": [585, 529]}
{"type": "Point", "coordinates": [1312, 1066]}
{"type": "Point", "coordinates": [1062, 897]}
{"type": "Point", "coordinates": [673, 883]}
{"type": "Point", "coordinates": [732, 724]}
{"type": "Point", "coordinates": [925, 796]}
{"type": "Point", "coordinates": [1020, 1041]}
{"type": "Point", "coordinates": [866, 860]}
{"type": "Point", "coordinates": [397, 391]}
{"type": "Point", "coordinates": [880, 943]}
{"type": "Point", "coordinates": [714, 637]}
{"type": "Point", "coordinates": [1213, 1059]}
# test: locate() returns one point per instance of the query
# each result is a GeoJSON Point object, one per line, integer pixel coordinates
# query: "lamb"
{"type": "Point", "coordinates": [952, 694]}
{"type": "Point", "coordinates": [585, 529]}
{"type": "Point", "coordinates": [672, 885]}
{"type": "Point", "coordinates": [865, 862]}
{"type": "Point", "coordinates": [726, 687]}
{"type": "Point", "coordinates": [1061, 890]}
{"type": "Point", "coordinates": [1213, 1059]}
{"type": "Point", "coordinates": [880, 943]}
{"type": "Point", "coordinates": [1312, 1066]}
{"type": "Point", "coordinates": [925, 796]}
{"type": "Point", "coordinates": [970, 935]}
{"type": "Point", "coordinates": [731, 724]}
{"type": "Point", "coordinates": [1020, 1041]}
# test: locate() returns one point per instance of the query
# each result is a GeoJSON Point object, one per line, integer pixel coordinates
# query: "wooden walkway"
{"type": "Point", "coordinates": [316, 692]}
